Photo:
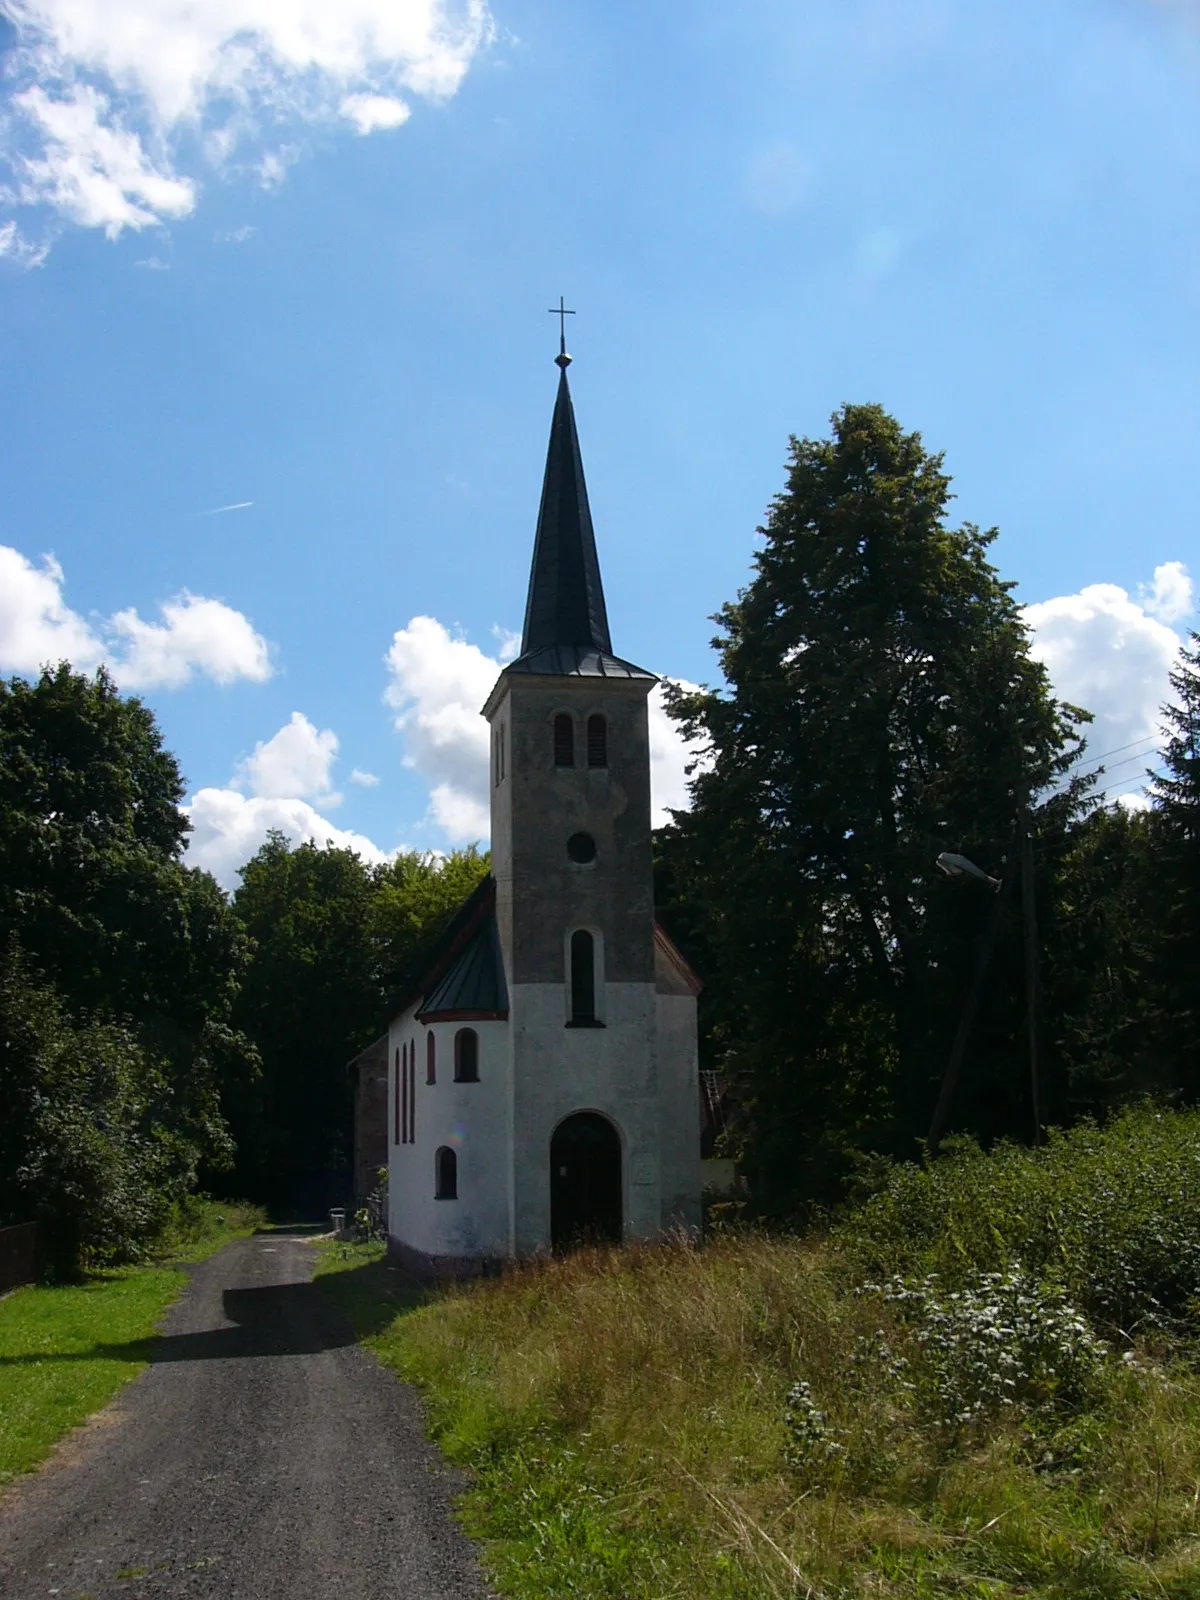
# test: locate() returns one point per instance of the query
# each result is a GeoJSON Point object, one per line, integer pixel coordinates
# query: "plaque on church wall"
{"type": "Point", "coordinates": [644, 1170]}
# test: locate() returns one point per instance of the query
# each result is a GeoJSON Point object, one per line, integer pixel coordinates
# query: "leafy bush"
{"type": "Point", "coordinates": [1112, 1215]}
{"type": "Point", "coordinates": [93, 1145]}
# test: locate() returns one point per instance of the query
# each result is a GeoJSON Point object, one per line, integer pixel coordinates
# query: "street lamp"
{"type": "Point", "coordinates": [956, 866]}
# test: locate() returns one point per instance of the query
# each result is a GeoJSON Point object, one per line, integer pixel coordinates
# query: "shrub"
{"type": "Point", "coordinates": [1001, 1343]}
{"type": "Point", "coordinates": [1110, 1214]}
{"type": "Point", "coordinates": [87, 1145]}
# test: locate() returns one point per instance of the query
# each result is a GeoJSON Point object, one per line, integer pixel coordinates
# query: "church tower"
{"type": "Point", "coordinates": [587, 1011]}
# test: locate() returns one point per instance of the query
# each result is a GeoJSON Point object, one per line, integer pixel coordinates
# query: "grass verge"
{"type": "Point", "coordinates": [66, 1349]}
{"type": "Point", "coordinates": [756, 1417]}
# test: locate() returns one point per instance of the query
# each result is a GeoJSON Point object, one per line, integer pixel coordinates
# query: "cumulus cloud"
{"type": "Point", "coordinates": [195, 636]}
{"type": "Point", "coordinates": [295, 764]}
{"type": "Point", "coordinates": [93, 170]}
{"type": "Point", "coordinates": [228, 827]}
{"type": "Point", "coordinates": [111, 91]}
{"type": "Point", "coordinates": [1170, 597]}
{"type": "Point", "coordinates": [1111, 654]}
{"type": "Point", "coordinates": [438, 683]}
{"type": "Point", "coordinates": [369, 112]}
{"type": "Point", "coordinates": [365, 780]}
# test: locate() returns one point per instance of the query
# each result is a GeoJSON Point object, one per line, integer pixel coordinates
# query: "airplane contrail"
{"type": "Point", "coordinates": [239, 505]}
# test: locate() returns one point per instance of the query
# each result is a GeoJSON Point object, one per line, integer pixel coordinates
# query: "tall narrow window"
{"type": "Point", "coordinates": [583, 977]}
{"type": "Point", "coordinates": [496, 758]}
{"type": "Point", "coordinates": [412, 1092]}
{"type": "Point", "coordinates": [430, 1059]}
{"type": "Point", "coordinates": [597, 742]}
{"type": "Point", "coordinates": [445, 1174]}
{"type": "Point", "coordinates": [502, 752]}
{"type": "Point", "coordinates": [404, 1095]}
{"type": "Point", "coordinates": [396, 1103]}
{"type": "Point", "coordinates": [466, 1056]}
{"type": "Point", "coordinates": [564, 740]}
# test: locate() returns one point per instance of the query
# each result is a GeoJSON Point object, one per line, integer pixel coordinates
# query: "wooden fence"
{"type": "Point", "coordinates": [18, 1255]}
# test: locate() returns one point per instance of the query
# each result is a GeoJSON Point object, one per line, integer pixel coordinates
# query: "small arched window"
{"type": "Point", "coordinates": [445, 1174]}
{"type": "Point", "coordinates": [466, 1056]}
{"type": "Point", "coordinates": [564, 740]}
{"type": "Point", "coordinates": [583, 977]}
{"type": "Point", "coordinates": [430, 1059]}
{"type": "Point", "coordinates": [597, 741]}
{"type": "Point", "coordinates": [396, 1103]}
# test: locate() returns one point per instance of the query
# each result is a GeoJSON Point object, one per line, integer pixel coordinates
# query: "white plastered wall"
{"type": "Point", "coordinates": [474, 1120]}
{"type": "Point", "coordinates": [679, 1110]}
{"type": "Point", "coordinates": [562, 1070]}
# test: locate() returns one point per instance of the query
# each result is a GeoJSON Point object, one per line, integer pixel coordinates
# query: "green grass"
{"type": "Point", "coordinates": [625, 1412]}
{"type": "Point", "coordinates": [66, 1349]}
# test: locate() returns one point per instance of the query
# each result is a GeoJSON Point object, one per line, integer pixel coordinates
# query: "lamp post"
{"type": "Point", "coordinates": [958, 866]}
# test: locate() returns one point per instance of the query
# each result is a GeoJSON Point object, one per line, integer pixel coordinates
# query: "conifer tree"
{"type": "Point", "coordinates": [1176, 793]}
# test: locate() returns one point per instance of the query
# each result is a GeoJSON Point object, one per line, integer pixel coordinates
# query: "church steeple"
{"type": "Point", "coordinates": [565, 605]}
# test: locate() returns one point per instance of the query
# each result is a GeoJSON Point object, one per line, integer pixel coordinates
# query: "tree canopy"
{"type": "Point", "coordinates": [121, 963]}
{"type": "Point", "coordinates": [880, 706]}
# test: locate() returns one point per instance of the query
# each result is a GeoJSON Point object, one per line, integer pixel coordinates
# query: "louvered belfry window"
{"type": "Point", "coordinates": [597, 743]}
{"type": "Point", "coordinates": [564, 740]}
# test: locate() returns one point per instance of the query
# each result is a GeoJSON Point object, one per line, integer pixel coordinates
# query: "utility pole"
{"type": "Point", "coordinates": [1029, 908]}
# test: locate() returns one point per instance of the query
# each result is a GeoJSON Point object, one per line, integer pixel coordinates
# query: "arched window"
{"type": "Point", "coordinates": [445, 1174]}
{"type": "Point", "coordinates": [430, 1059]}
{"type": "Point", "coordinates": [583, 977]}
{"type": "Point", "coordinates": [396, 1103]}
{"type": "Point", "coordinates": [564, 740]}
{"type": "Point", "coordinates": [466, 1056]}
{"type": "Point", "coordinates": [597, 742]}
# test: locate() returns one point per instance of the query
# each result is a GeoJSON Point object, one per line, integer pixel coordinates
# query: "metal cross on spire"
{"type": "Point", "coordinates": [562, 359]}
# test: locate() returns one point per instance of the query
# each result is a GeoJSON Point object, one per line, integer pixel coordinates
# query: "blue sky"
{"type": "Point", "coordinates": [296, 259]}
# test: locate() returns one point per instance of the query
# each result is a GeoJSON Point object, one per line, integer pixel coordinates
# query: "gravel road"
{"type": "Point", "coordinates": [262, 1455]}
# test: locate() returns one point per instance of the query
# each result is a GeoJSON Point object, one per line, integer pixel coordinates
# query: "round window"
{"type": "Point", "coordinates": [581, 847]}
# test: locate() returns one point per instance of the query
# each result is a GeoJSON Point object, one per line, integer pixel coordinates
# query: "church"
{"type": "Point", "coordinates": [543, 1086]}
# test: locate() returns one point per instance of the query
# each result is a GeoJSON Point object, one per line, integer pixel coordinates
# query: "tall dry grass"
{"type": "Point", "coordinates": [624, 1411]}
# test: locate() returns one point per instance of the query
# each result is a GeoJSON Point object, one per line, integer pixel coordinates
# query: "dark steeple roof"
{"type": "Point", "coordinates": [566, 624]}
{"type": "Point", "coordinates": [566, 597]}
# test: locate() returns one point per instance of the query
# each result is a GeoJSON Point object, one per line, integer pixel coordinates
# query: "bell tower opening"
{"type": "Point", "coordinates": [585, 1183]}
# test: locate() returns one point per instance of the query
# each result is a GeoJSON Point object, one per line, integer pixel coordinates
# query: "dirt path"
{"type": "Point", "coordinates": [262, 1454]}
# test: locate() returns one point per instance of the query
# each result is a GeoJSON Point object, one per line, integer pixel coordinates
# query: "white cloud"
{"type": "Point", "coordinates": [91, 168]}
{"type": "Point", "coordinates": [14, 246]}
{"type": "Point", "coordinates": [295, 763]}
{"type": "Point", "coordinates": [670, 757]}
{"type": "Point", "coordinates": [365, 780]}
{"type": "Point", "coordinates": [438, 685]}
{"type": "Point", "coordinates": [111, 91]}
{"type": "Point", "coordinates": [1106, 652]}
{"type": "Point", "coordinates": [369, 112]}
{"type": "Point", "coordinates": [1171, 596]}
{"type": "Point", "coordinates": [195, 636]}
{"type": "Point", "coordinates": [36, 624]}
{"type": "Point", "coordinates": [228, 827]}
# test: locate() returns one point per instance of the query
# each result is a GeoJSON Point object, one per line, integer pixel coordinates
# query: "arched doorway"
{"type": "Point", "coordinates": [585, 1182]}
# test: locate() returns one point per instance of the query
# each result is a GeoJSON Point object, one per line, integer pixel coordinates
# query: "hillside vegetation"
{"type": "Point", "coordinates": [980, 1382]}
